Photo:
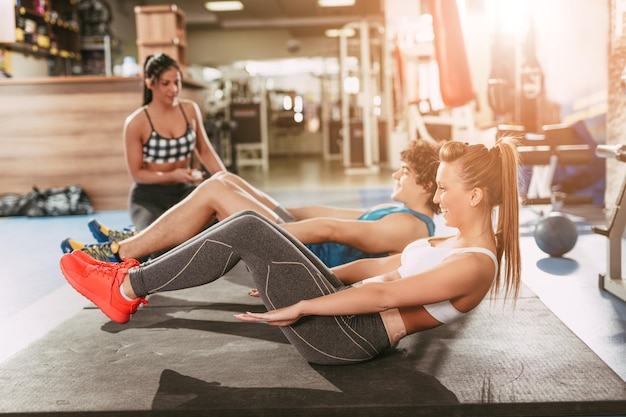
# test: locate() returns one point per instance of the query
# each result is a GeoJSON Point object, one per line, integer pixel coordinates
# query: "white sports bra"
{"type": "Point", "coordinates": [420, 255]}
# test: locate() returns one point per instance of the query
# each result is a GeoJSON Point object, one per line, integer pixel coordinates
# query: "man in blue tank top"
{"type": "Point", "coordinates": [334, 253]}
{"type": "Point", "coordinates": [335, 235]}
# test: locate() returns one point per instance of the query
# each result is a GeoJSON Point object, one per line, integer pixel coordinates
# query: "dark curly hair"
{"type": "Point", "coordinates": [422, 156]}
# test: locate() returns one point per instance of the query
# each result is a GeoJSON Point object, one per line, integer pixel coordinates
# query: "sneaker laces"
{"type": "Point", "coordinates": [114, 273]}
{"type": "Point", "coordinates": [130, 263]}
{"type": "Point", "coordinates": [100, 251]}
{"type": "Point", "coordinates": [119, 235]}
{"type": "Point", "coordinates": [125, 264]}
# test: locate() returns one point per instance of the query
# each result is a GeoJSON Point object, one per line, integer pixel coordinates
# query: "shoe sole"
{"type": "Point", "coordinates": [96, 232]}
{"type": "Point", "coordinates": [66, 247]}
{"type": "Point", "coordinates": [113, 315]}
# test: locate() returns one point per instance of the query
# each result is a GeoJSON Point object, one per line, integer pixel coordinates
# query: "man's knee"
{"type": "Point", "coordinates": [211, 188]}
{"type": "Point", "coordinates": [224, 176]}
{"type": "Point", "coordinates": [218, 175]}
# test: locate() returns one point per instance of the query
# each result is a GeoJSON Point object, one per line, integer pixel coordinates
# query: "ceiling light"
{"type": "Point", "coordinates": [335, 3]}
{"type": "Point", "coordinates": [223, 6]}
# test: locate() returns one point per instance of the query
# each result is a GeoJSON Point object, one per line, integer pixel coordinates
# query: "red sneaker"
{"type": "Point", "coordinates": [100, 283]}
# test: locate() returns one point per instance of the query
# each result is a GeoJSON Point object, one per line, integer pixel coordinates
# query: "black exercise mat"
{"type": "Point", "coordinates": [185, 354]}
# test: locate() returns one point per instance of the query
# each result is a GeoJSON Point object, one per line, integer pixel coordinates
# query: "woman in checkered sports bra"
{"type": "Point", "coordinates": [160, 138]}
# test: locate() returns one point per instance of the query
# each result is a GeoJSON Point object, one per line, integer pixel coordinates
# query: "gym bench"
{"type": "Point", "coordinates": [556, 145]}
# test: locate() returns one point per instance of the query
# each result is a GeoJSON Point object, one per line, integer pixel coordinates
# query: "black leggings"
{"type": "Point", "coordinates": [284, 272]}
{"type": "Point", "coordinates": [147, 202]}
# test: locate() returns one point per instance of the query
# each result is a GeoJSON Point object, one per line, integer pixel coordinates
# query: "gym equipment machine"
{"type": "Point", "coordinates": [553, 145]}
{"type": "Point", "coordinates": [613, 281]}
{"type": "Point", "coordinates": [360, 133]}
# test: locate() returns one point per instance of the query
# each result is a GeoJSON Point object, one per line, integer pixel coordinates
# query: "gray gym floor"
{"type": "Point", "coordinates": [35, 298]}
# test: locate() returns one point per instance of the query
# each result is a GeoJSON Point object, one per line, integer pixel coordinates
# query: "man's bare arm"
{"type": "Point", "coordinates": [310, 212]}
{"type": "Point", "coordinates": [387, 235]}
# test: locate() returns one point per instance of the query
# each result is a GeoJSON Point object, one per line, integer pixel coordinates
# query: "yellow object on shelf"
{"type": "Point", "coordinates": [43, 41]}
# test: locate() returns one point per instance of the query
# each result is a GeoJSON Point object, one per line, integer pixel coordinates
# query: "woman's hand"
{"type": "Point", "coordinates": [254, 292]}
{"type": "Point", "coordinates": [183, 175]}
{"type": "Point", "coordinates": [280, 317]}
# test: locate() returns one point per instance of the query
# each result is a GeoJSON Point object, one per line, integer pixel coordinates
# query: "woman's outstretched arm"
{"type": "Point", "coordinates": [465, 278]}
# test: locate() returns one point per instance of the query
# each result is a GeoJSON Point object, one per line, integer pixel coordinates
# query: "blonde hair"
{"type": "Point", "coordinates": [495, 171]}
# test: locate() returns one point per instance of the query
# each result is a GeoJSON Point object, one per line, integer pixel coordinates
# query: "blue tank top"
{"type": "Point", "coordinates": [333, 254]}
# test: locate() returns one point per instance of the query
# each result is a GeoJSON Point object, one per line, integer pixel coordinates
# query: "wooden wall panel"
{"type": "Point", "coordinates": [61, 131]}
{"type": "Point", "coordinates": [67, 131]}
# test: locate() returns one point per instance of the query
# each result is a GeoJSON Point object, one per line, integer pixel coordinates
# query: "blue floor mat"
{"type": "Point", "coordinates": [30, 249]}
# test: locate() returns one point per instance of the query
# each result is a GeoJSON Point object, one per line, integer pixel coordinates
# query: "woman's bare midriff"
{"type": "Point", "coordinates": [394, 325]}
{"type": "Point", "coordinates": [166, 167]}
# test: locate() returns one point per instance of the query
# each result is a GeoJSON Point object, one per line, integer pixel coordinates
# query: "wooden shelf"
{"type": "Point", "coordinates": [161, 29]}
{"type": "Point", "coordinates": [47, 29]}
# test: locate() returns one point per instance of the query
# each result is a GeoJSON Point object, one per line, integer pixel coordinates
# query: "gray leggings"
{"type": "Point", "coordinates": [283, 215]}
{"type": "Point", "coordinates": [284, 272]}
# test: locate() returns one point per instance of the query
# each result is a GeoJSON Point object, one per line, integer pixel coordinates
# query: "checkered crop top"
{"type": "Point", "coordinates": [161, 150]}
